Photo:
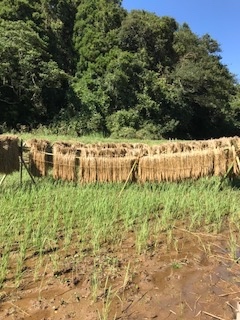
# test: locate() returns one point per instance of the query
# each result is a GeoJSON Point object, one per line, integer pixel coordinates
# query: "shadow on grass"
{"type": "Point", "coordinates": [235, 182]}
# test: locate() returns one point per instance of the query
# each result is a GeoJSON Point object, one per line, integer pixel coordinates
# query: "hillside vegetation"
{"type": "Point", "coordinates": [90, 66]}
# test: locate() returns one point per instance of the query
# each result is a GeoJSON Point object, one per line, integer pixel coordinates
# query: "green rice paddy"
{"type": "Point", "coordinates": [55, 217]}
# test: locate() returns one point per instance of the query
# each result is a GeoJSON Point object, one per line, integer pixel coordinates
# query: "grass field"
{"type": "Point", "coordinates": [40, 134]}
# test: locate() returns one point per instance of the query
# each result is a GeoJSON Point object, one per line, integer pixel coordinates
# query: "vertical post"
{"type": "Point", "coordinates": [21, 163]}
{"type": "Point", "coordinates": [25, 166]}
{"type": "Point", "coordinates": [238, 163]}
{"type": "Point", "coordinates": [238, 311]}
{"type": "Point", "coordinates": [3, 178]}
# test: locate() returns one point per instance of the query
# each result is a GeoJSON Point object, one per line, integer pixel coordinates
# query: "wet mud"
{"type": "Point", "coordinates": [194, 277]}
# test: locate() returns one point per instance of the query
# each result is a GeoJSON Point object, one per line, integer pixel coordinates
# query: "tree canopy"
{"type": "Point", "coordinates": [126, 74]}
{"type": "Point", "coordinates": [29, 77]}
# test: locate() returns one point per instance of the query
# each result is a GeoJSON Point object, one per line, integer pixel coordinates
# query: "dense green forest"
{"type": "Point", "coordinates": [91, 66]}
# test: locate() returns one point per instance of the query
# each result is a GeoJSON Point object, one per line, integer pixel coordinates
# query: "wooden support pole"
{"type": "Point", "coordinates": [131, 171]}
{"type": "Point", "coordinates": [238, 163]}
{"type": "Point", "coordinates": [3, 178]}
{"type": "Point", "coordinates": [31, 176]}
{"type": "Point", "coordinates": [21, 164]}
{"type": "Point", "coordinates": [238, 311]}
{"type": "Point", "coordinates": [230, 169]}
{"type": "Point", "coordinates": [25, 166]}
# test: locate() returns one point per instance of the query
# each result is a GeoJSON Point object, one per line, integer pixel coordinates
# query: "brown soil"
{"type": "Point", "coordinates": [194, 277]}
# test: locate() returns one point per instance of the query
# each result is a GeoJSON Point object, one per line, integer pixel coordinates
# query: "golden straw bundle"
{"type": "Point", "coordinates": [115, 169]}
{"type": "Point", "coordinates": [220, 162]}
{"type": "Point", "coordinates": [9, 154]}
{"type": "Point", "coordinates": [112, 162]}
{"type": "Point", "coordinates": [39, 161]}
{"type": "Point", "coordinates": [105, 169]}
{"type": "Point", "coordinates": [64, 162]}
{"type": "Point", "coordinates": [187, 146]}
{"type": "Point", "coordinates": [87, 170]}
{"type": "Point", "coordinates": [176, 166]}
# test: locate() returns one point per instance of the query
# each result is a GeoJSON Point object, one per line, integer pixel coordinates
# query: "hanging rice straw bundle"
{"type": "Point", "coordinates": [105, 152]}
{"type": "Point", "coordinates": [134, 153]}
{"type": "Point", "coordinates": [64, 162]}
{"type": "Point", "coordinates": [151, 169]}
{"type": "Point", "coordinates": [108, 145]}
{"type": "Point", "coordinates": [224, 142]}
{"type": "Point", "coordinates": [82, 152]}
{"type": "Point", "coordinates": [143, 169]}
{"type": "Point", "coordinates": [121, 152]}
{"type": "Point", "coordinates": [157, 149]}
{"type": "Point", "coordinates": [235, 141]}
{"type": "Point", "coordinates": [78, 145]}
{"type": "Point", "coordinates": [9, 154]}
{"type": "Point", "coordinates": [39, 160]}
{"type": "Point", "coordinates": [183, 166]}
{"type": "Point", "coordinates": [195, 145]}
{"type": "Point", "coordinates": [207, 163]}
{"type": "Point", "coordinates": [232, 159]}
{"type": "Point", "coordinates": [106, 169]}
{"type": "Point", "coordinates": [191, 146]}
{"type": "Point", "coordinates": [92, 151]}
{"type": "Point", "coordinates": [176, 166]}
{"type": "Point", "coordinates": [220, 162]}
{"type": "Point", "coordinates": [163, 168]}
{"type": "Point", "coordinates": [126, 145]}
{"type": "Point", "coordinates": [152, 151]}
{"type": "Point", "coordinates": [87, 170]}
{"type": "Point", "coordinates": [123, 169]}
{"type": "Point", "coordinates": [187, 147]}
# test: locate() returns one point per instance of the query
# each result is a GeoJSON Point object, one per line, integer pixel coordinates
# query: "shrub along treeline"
{"type": "Point", "coordinates": [91, 66]}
